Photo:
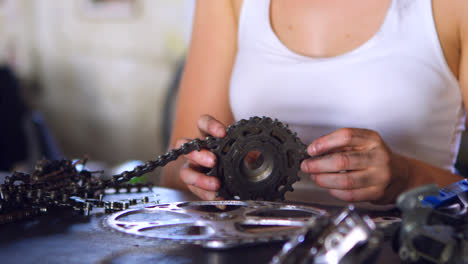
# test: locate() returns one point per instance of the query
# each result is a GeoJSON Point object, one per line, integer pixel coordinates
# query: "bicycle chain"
{"type": "Point", "coordinates": [58, 184]}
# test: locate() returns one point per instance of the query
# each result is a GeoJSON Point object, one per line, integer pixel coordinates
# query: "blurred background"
{"type": "Point", "coordinates": [93, 78]}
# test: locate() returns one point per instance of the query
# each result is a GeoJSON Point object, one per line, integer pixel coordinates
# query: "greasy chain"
{"type": "Point", "coordinates": [58, 184]}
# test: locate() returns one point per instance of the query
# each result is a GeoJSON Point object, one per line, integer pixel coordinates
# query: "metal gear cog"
{"type": "Point", "coordinates": [258, 159]}
{"type": "Point", "coordinates": [203, 223]}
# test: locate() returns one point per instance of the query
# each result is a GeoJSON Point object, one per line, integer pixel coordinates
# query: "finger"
{"type": "Point", "coordinates": [203, 157]}
{"type": "Point", "coordinates": [338, 161]}
{"type": "Point", "coordinates": [208, 125]}
{"type": "Point", "coordinates": [344, 181]}
{"type": "Point", "coordinates": [203, 194]}
{"type": "Point", "coordinates": [342, 138]}
{"type": "Point", "coordinates": [192, 177]}
{"type": "Point", "coordinates": [368, 194]}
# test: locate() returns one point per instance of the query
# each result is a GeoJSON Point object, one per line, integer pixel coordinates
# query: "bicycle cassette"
{"type": "Point", "coordinates": [258, 159]}
{"type": "Point", "coordinates": [202, 223]}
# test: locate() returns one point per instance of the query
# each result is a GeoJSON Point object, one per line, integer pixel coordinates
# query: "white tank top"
{"type": "Point", "coordinates": [397, 83]}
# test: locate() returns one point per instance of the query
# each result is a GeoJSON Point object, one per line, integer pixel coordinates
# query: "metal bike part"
{"type": "Point", "coordinates": [451, 200]}
{"type": "Point", "coordinates": [204, 223]}
{"type": "Point", "coordinates": [388, 225]}
{"type": "Point", "coordinates": [418, 241]}
{"type": "Point", "coordinates": [258, 159]}
{"type": "Point", "coordinates": [385, 221]}
{"type": "Point", "coordinates": [298, 249]}
{"type": "Point", "coordinates": [348, 238]}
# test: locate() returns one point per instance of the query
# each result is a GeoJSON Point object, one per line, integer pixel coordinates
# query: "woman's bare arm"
{"type": "Point", "coordinates": [453, 33]}
{"type": "Point", "coordinates": [205, 83]}
{"type": "Point", "coordinates": [463, 73]}
{"type": "Point", "coordinates": [456, 53]}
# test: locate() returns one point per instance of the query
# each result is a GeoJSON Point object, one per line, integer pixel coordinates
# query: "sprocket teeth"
{"type": "Point", "coordinates": [237, 142]}
{"type": "Point", "coordinates": [225, 223]}
{"type": "Point", "coordinates": [266, 120]}
{"type": "Point", "coordinates": [254, 119]}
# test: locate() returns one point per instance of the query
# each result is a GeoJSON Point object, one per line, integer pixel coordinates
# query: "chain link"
{"type": "Point", "coordinates": [58, 185]}
{"type": "Point", "coordinates": [161, 161]}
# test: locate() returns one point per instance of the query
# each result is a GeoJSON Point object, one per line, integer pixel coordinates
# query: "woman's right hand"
{"type": "Point", "coordinates": [202, 185]}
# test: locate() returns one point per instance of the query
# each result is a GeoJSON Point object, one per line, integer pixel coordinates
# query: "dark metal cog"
{"type": "Point", "coordinates": [258, 159]}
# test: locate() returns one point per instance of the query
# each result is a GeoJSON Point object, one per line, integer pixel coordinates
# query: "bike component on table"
{"type": "Point", "coordinates": [203, 223]}
{"type": "Point", "coordinates": [58, 185]}
{"type": "Point", "coordinates": [276, 150]}
{"type": "Point", "coordinates": [348, 238]}
{"type": "Point", "coordinates": [426, 236]}
{"type": "Point", "coordinates": [451, 202]}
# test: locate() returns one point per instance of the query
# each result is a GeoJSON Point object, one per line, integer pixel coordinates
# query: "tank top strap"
{"type": "Point", "coordinates": [254, 17]}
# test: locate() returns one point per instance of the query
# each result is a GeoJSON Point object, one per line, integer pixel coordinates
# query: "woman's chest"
{"type": "Point", "coordinates": [370, 92]}
{"type": "Point", "coordinates": [324, 28]}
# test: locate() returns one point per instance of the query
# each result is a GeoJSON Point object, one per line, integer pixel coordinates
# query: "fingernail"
{"type": "Point", "coordinates": [303, 166]}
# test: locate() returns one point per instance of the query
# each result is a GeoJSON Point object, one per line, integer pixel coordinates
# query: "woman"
{"type": "Point", "coordinates": [376, 88]}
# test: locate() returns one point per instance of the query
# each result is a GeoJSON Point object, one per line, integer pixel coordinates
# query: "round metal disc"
{"type": "Point", "coordinates": [215, 224]}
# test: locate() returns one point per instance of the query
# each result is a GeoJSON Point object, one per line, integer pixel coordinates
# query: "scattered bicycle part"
{"type": "Point", "coordinates": [276, 150]}
{"type": "Point", "coordinates": [58, 185]}
{"type": "Point", "coordinates": [348, 238]}
{"type": "Point", "coordinates": [451, 203]}
{"type": "Point", "coordinates": [203, 223]}
{"type": "Point", "coordinates": [386, 221]}
{"type": "Point", "coordinates": [275, 169]}
{"type": "Point", "coordinates": [421, 241]}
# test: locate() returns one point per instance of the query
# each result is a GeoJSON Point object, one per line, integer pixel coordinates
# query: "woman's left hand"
{"type": "Point", "coordinates": [356, 165]}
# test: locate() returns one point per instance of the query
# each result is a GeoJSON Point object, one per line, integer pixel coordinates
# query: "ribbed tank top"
{"type": "Point", "coordinates": [396, 83]}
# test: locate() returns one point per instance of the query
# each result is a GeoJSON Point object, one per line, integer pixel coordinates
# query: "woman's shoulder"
{"type": "Point", "coordinates": [451, 18]}
{"type": "Point", "coordinates": [453, 13]}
